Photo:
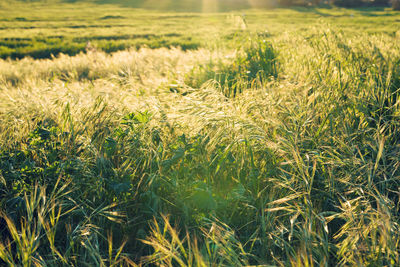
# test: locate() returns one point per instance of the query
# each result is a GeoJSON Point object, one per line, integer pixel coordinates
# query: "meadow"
{"type": "Point", "coordinates": [139, 136]}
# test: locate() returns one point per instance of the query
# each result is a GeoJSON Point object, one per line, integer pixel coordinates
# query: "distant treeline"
{"type": "Point", "coordinates": [341, 3]}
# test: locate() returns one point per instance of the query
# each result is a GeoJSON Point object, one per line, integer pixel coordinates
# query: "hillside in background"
{"type": "Point", "coordinates": [225, 5]}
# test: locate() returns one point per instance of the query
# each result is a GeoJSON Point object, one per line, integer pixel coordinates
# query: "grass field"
{"type": "Point", "coordinates": [45, 28]}
{"type": "Point", "coordinates": [242, 137]}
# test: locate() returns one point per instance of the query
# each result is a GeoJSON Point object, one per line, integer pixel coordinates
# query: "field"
{"type": "Point", "coordinates": [181, 136]}
{"type": "Point", "coordinates": [40, 30]}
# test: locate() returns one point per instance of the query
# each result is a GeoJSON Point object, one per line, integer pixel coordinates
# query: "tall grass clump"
{"type": "Point", "coordinates": [249, 67]}
{"type": "Point", "coordinates": [41, 231]}
{"type": "Point", "coordinates": [345, 128]}
{"type": "Point", "coordinates": [217, 245]}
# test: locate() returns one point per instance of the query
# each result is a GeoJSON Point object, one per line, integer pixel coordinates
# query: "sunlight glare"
{"type": "Point", "coordinates": [159, 4]}
{"type": "Point", "coordinates": [209, 6]}
{"type": "Point", "coordinates": [261, 3]}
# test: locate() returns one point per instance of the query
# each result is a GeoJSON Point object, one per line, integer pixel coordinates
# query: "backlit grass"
{"type": "Point", "coordinates": [275, 144]}
{"type": "Point", "coordinates": [41, 29]}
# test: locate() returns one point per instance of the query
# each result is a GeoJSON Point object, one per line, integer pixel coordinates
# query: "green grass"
{"type": "Point", "coordinates": [41, 29]}
{"type": "Point", "coordinates": [271, 140]}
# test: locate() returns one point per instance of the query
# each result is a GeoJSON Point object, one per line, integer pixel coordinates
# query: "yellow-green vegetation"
{"type": "Point", "coordinates": [273, 141]}
{"type": "Point", "coordinates": [40, 29]}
